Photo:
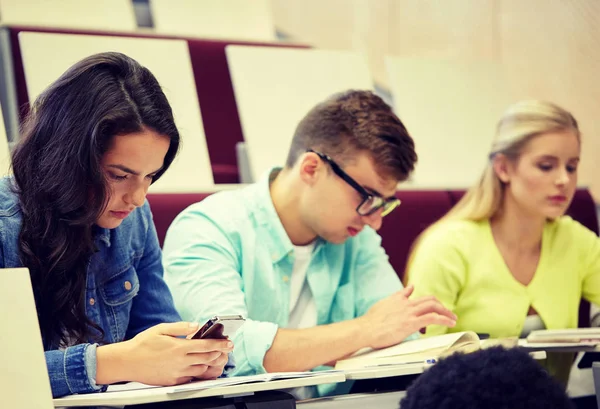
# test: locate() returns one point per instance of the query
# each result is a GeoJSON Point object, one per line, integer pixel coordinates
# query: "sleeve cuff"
{"type": "Point", "coordinates": [91, 365]}
{"type": "Point", "coordinates": [80, 369]}
{"type": "Point", "coordinates": [252, 343]}
{"type": "Point", "coordinates": [229, 366]}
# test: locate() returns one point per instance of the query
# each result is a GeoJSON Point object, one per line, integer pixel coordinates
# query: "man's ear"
{"type": "Point", "coordinates": [502, 167]}
{"type": "Point", "coordinates": [310, 167]}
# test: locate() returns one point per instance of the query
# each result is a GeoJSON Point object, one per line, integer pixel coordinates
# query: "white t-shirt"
{"type": "Point", "coordinates": [303, 310]}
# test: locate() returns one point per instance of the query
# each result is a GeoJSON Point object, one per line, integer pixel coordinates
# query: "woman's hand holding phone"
{"type": "Point", "coordinates": [158, 357]}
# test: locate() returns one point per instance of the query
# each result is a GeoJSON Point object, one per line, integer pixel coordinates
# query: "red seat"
{"type": "Point", "coordinates": [166, 206]}
{"type": "Point", "coordinates": [419, 209]}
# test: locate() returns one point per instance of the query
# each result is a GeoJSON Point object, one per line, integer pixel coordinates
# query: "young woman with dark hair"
{"type": "Point", "coordinates": [74, 213]}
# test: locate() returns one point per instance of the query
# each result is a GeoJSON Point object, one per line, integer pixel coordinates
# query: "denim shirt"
{"type": "Point", "coordinates": [230, 254]}
{"type": "Point", "coordinates": [125, 291]}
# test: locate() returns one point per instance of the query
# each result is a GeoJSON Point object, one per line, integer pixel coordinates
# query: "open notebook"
{"type": "Point", "coordinates": [207, 384]}
{"type": "Point", "coordinates": [421, 350]}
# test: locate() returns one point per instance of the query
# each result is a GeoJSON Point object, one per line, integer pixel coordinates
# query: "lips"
{"type": "Point", "coordinates": [352, 231]}
{"type": "Point", "coordinates": [120, 214]}
{"type": "Point", "coordinates": [558, 198]}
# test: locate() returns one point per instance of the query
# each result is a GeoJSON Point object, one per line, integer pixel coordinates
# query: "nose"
{"type": "Point", "coordinates": [374, 220]}
{"type": "Point", "coordinates": [136, 196]}
{"type": "Point", "coordinates": [563, 177]}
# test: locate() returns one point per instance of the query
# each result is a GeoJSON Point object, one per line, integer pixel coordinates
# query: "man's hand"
{"type": "Point", "coordinates": [394, 318]}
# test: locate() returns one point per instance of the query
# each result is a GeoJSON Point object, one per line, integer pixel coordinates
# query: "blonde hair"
{"type": "Point", "coordinates": [521, 123]}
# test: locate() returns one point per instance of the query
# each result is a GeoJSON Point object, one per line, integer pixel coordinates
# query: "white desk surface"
{"type": "Point", "coordinates": [385, 400]}
{"type": "Point", "coordinates": [385, 371]}
{"type": "Point", "coordinates": [379, 400]}
{"type": "Point", "coordinates": [150, 395]}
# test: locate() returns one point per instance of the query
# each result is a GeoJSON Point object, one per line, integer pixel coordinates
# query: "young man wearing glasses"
{"type": "Point", "coordinates": [297, 253]}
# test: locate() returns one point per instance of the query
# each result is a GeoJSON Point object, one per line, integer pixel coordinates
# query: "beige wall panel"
{"type": "Point", "coordinates": [276, 87]}
{"type": "Point", "coordinates": [450, 108]}
{"type": "Point", "coordinates": [231, 19]}
{"type": "Point", "coordinates": [551, 50]}
{"type": "Point", "coordinates": [442, 29]}
{"type": "Point", "coordinates": [83, 14]}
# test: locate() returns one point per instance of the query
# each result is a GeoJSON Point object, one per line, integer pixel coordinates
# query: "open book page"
{"type": "Point", "coordinates": [129, 386]}
{"type": "Point", "coordinates": [412, 351]}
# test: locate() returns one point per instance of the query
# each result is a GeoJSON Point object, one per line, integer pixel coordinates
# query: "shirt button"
{"type": "Point", "coordinates": [127, 285]}
{"type": "Point", "coordinates": [92, 301]}
{"type": "Point", "coordinates": [286, 279]}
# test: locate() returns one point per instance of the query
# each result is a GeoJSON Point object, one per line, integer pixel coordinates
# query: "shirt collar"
{"type": "Point", "coordinates": [276, 238]}
{"type": "Point", "coordinates": [101, 234]}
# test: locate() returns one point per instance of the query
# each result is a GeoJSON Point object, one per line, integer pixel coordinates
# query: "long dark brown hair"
{"type": "Point", "coordinates": [61, 185]}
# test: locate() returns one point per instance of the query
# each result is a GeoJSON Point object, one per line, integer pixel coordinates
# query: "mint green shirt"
{"type": "Point", "coordinates": [230, 254]}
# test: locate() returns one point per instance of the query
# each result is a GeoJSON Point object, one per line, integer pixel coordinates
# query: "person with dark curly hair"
{"type": "Point", "coordinates": [494, 378]}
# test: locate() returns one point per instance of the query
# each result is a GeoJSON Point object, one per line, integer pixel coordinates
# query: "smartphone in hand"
{"type": "Point", "coordinates": [220, 327]}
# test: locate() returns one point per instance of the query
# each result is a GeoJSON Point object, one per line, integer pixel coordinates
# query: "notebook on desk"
{"type": "Point", "coordinates": [563, 340]}
{"type": "Point", "coordinates": [23, 375]}
{"type": "Point", "coordinates": [589, 336]}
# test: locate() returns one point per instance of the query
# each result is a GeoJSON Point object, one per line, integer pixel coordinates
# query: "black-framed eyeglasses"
{"type": "Point", "coordinates": [370, 203]}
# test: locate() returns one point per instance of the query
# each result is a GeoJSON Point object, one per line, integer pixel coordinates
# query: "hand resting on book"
{"type": "Point", "coordinates": [396, 317]}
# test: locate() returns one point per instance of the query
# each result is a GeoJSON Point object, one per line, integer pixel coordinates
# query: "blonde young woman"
{"type": "Point", "coordinates": [505, 259]}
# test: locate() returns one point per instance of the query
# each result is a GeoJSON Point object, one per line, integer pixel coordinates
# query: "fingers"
{"type": "Point", "coordinates": [220, 361]}
{"type": "Point", "coordinates": [196, 371]}
{"type": "Point", "coordinates": [435, 306]}
{"type": "Point", "coordinates": [175, 329]}
{"type": "Point", "coordinates": [198, 346]}
{"type": "Point", "coordinates": [207, 366]}
{"type": "Point", "coordinates": [212, 372]}
{"type": "Point", "coordinates": [422, 299]}
{"type": "Point", "coordinates": [206, 358]}
{"type": "Point", "coordinates": [434, 318]}
{"type": "Point", "coordinates": [407, 291]}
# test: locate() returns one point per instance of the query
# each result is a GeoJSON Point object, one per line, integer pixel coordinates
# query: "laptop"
{"type": "Point", "coordinates": [24, 380]}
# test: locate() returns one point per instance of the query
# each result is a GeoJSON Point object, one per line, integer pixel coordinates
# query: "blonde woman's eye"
{"type": "Point", "coordinates": [545, 167]}
{"type": "Point", "coordinates": [571, 169]}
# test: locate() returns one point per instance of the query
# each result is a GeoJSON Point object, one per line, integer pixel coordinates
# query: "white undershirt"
{"type": "Point", "coordinates": [303, 310]}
